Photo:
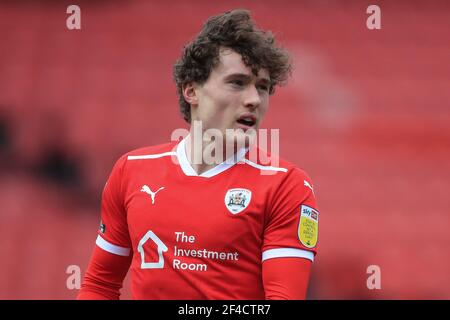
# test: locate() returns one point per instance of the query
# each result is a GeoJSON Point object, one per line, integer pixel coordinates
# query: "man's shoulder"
{"type": "Point", "coordinates": [266, 161]}
{"type": "Point", "coordinates": [290, 181]}
{"type": "Point", "coordinates": [149, 151]}
{"type": "Point", "coordinates": [145, 153]}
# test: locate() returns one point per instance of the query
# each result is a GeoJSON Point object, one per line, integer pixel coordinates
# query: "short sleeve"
{"type": "Point", "coordinates": [113, 235]}
{"type": "Point", "coordinates": [292, 222]}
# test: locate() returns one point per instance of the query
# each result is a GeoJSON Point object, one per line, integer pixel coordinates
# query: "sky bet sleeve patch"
{"type": "Point", "coordinates": [308, 226]}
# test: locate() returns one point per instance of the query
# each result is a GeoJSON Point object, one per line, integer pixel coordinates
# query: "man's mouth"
{"type": "Point", "coordinates": [246, 121]}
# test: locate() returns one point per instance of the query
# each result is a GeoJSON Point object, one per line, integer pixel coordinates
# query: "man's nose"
{"type": "Point", "coordinates": [252, 98]}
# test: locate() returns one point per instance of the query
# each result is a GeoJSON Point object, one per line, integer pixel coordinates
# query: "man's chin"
{"type": "Point", "coordinates": [241, 138]}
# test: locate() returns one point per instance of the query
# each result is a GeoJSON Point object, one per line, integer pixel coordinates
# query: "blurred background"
{"type": "Point", "coordinates": [366, 114]}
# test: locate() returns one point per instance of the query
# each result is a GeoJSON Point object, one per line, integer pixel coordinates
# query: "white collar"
{"type": "Point", "coordinates": [189, 171]}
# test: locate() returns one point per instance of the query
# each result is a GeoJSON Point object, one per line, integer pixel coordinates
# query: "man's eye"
{"type": "Point", "coordinates": [238, 83]}
{"type": "Point", "coordinates": [263, 87]}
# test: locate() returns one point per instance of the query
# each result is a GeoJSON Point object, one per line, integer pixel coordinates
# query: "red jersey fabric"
{"type": "Point", "coordinates": [205, 236]}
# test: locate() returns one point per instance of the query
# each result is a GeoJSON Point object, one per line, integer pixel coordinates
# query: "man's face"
{"type": "Point", "coordinates": [232, 97]}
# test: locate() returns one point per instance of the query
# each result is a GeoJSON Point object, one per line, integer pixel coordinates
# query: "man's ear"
{"type": "Point", "coordinates": [190, 93]}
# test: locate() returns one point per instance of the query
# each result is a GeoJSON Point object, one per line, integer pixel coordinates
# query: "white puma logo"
{"type": "Point", "coordinates": [152, 194]}
{"type": "Point", "coordinates": [306, 184]}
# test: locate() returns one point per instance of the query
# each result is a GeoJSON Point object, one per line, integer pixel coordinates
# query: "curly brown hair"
{"type": "Point", "coordinates": [235, 30]}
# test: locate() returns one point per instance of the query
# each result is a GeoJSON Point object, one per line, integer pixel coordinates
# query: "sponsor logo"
{"type": "Point", "coordinates": [308, 226]}
{"type": "Point", "coordinates": [152, 194]}
{"type": "Point", "coordinates": [307, 184]}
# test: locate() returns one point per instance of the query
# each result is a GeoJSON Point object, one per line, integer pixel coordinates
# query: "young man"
{"type": "Point", "coordinates": [189, 228]}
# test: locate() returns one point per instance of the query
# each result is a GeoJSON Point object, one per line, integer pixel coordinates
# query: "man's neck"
{"type": "Point", "coordinates": [198, 153]}
{"type": "Point", "coordinates": [195, 156]}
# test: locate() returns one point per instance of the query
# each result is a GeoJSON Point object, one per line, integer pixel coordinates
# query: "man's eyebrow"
{"type": "Point", "coordinates": [246, 77]}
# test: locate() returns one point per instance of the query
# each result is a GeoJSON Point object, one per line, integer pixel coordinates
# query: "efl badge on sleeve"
{"type": "Point", "coordinates": [236, 200]}
{"type": "Point", "coordinates": [102, 227]}
{"type": "Point", "coordinates": [308, 227]}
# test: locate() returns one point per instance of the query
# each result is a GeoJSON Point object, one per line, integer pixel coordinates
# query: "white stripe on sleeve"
{"type": "Point", "coordinates": [112, 248]}
{"type": "Point", "coordinates": [287, 253]}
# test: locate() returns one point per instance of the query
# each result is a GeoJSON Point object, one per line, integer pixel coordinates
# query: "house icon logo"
{"type": "Point", "coordinates": [150, 235]}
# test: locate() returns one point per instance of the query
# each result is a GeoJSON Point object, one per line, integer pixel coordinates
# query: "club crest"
{"type": "Point", "coordinates": [236, 200]}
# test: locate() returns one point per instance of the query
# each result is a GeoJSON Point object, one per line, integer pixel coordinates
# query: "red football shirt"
{"type": "Point", "coordinates": [204, 236]}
